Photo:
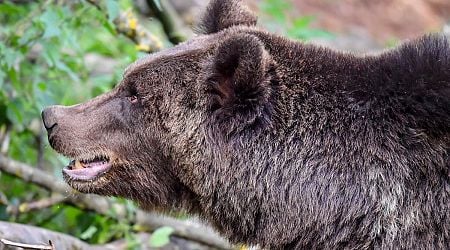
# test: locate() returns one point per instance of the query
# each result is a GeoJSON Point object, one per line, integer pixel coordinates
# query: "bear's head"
{"type": "Point", "coordinates": [149, 138]}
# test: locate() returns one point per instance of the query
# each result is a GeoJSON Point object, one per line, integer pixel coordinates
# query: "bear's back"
{"type": "Point", "coordinates": [363, 138]}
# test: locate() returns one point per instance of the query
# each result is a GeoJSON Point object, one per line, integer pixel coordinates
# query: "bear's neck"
{"type": "Point", "coordinates": [232, 177]}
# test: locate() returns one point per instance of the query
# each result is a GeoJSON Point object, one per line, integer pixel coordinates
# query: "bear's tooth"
{"type": "Point", "coordinates": [78, 165]}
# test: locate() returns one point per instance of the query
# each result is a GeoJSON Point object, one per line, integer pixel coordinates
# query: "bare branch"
{"type": "Point", "coordinates": [25, 207]}
{"type": "Point", "coordinates": [30, 236]}
{"type": "Point", "coordinates": [102, 205]}
{"type": "Point", "coordinates": [27, 246]}
{"type": "Point", "coordinates": [3, 199]}
{"type": "Point", "coordinates": [40, 204]}
{"type": "Point", "coordinates": [5, 138]}
{"type": "Point", "coordinates": [172, 24]}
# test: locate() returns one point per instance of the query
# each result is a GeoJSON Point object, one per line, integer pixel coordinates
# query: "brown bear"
{"type": "Point", "coordinates": [275, 142]}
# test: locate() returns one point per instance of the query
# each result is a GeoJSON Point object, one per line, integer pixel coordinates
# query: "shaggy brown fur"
{"type": "Point", "coordinates": [275, 142]}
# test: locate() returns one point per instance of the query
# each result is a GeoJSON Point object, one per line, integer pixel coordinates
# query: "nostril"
{"type": "Point", "coordinates": [49, 129]}
{"type": "Point", "coordinates": [48, 119]}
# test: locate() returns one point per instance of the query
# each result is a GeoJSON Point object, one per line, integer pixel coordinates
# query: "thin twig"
{"type": "Point", "coordinates": [31, 234]}
{"type": "Point", "coordinates": [27, 246]}
{"type": "Point", "coordinates": [5, 139]}
{"type": "Point", "coordinates": [43, 203]}
{"type": "Point", "coordinates": [3, 199]}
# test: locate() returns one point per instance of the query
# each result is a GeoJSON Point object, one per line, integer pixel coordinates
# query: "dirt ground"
{"type": "Point", "coordinates": [381, 19]}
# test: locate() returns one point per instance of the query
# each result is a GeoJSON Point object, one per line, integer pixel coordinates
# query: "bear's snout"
{"type": "Point", "coordinates": [49, 118]}
{"type": "Point", "coordinates": [52, 116]}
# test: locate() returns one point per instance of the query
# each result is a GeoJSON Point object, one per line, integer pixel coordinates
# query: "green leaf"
{"type": "Point", "coordinates": [63, 67]}
{"type": "Point", "coordinates": [276, 9]}
{"type": "Point", "coordinates": [42, 86]}
{"type": "Point", "coordinates": [50, 19]}
{"type": "Point", "coordinates": [2, 78]}
{"type": "Point", "coordinates": [307, 34]}
{"type": "Point", "coordinates": [13, 77]}
{"type": "Point", "coordinates": [132, 241]}
{"type": "Point", "coordinates": [303, 22]}
{"type": "Point", "coordinates": [89, 232]}
{"type": "Point", "coordinates": [158, 5]}
{"type": "Point", "coordinates": [113, 9]}
{"type": "Point", "coordinates": [3, 116]}
{"type": "Point", "coordinates": [51, 54]}
{"type": "Point", "coordinates": [14, 112]}
{"type": "Point", "coordinates": [9, 8]}
{"type": "Point", "coordinates": [160, 237]}
{"type": "Point", "coordinates": [42, 96]}
{"type": "Point", "coordinates": [8, 56]}
{"type": "Point", "coordinates": [108, 25]}
{"type": "Point", "coordinates": [27, 36]}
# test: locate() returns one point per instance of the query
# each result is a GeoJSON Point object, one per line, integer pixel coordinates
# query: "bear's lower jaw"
{"type": "Point", "coordinates": [87, 170]}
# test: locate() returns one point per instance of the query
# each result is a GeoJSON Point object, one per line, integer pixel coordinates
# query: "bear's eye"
{"type": "Point", "coordinates": [133, 99]}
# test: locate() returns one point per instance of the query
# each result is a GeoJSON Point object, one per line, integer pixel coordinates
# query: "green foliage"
{"type": "Point", "coordinates": [43, 50]}
{"type": "Point", "coordinates": [391, 43]}
{"type": "Point", "coordinates": [113, 9]}
{"type": "Point", "coordinates": [160, 237]}
{"type": "Point", "coordinates": [278, 17]}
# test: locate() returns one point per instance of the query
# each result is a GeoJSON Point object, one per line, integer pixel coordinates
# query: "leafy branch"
{"type": "Point", "coordinates": [127, 24]}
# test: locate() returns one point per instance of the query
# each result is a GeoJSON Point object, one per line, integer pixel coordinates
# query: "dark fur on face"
{"type": "Point", "coordinates": [275, 142]}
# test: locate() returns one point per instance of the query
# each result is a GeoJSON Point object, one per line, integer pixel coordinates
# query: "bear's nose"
{"type": "Point", "coordinates": [49, 118]}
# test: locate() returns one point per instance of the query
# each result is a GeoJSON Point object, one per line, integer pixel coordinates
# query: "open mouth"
{"type": "Point", "coordinates": [85, 170]}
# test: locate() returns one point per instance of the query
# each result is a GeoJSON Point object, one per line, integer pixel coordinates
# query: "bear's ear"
{"type": "Point", "coordinates": [222, 14]}
{"type": "Point", "coordinates": [239, 82]}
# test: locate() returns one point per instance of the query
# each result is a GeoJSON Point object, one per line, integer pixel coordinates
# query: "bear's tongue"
{"type": "Point", "coordinates": [81, 170]}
